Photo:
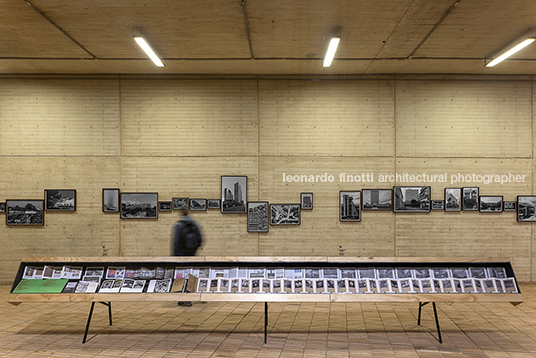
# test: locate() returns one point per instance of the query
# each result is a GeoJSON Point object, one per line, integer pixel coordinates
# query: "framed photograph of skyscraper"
{"type": "Point", "coordinates": [258, 216]}
{"type": "Point", "coordinates": [234, 194]}
{"type": "Point", "coordinates": [350, 206]}
{"type": "Point", "coordinates": [377, 199]}
{"type": "Point", "coordinates": [412, 199]}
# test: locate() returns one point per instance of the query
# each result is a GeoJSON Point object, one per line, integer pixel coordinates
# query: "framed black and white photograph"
{"type": "Point", "coordinates": [257, 216]}
{"type": "Point", "coordinates": [412, 199]}
{"type": "Point", "coordinates": [285, 214]}
{"type": "Point", "coordinates": [25, 212]}
{"type": "Point", "coordinates": [306, 201]}
{"type": "Point", "coordinates": [350, 206]}
{"type": "Point", "coordinates": [2, 207]}
{"type": "Point", "coordinates": [491, 204]}
{"type": "Point", "coordinates": [526, 208]}
{"type": "Point", "coordinates": [213, 203]}
{"type": "Point", "coordinates": [470, 198]}
{"type": "Point", "coordinates": [60, 200]}
{"type": "Point", "coordinates": [234, 194]}
{"type": "Point", "coordinates": [438, 204]}
{"type": "Point", "coordinates": [180, 203]}
{"type": "Point", "coordinates": [139, 205]}
{"type": "Point", "coordinates": [453, 199]}
{"type": "Point", "coordinates": [510, 206]}
{"type": "Point", "coordinates": [198, 204]}
{"type": "Point", "coordinates": [164, 206]}
{"type": "Point", "coordinates": [377, 199]}
{"type": "Point", "coordinates": [110, 200]}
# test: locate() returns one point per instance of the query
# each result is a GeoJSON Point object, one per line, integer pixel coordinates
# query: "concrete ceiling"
{"type": "Point", "coordinates": [265, 37]}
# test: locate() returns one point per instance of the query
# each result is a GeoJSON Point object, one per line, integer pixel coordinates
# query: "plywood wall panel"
{"type": "Point", "coordinates": [323, 118]}
{"type": "Point", "coordinates": [463, 119]}
{"type": "Point", "coordinates": [189, 117]}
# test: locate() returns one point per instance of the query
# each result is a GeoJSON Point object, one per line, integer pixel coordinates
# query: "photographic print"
{"type": "Point", "coordinates": [491, 204]}
{"type": "Point", "coordinates": [213, 203]}
{"type": "Point", "coordinates": [306, 201]}
{"type": "Point", "coordinates": [350, 206]}
{"type": "Point", "coordinates": [164, 206]}
{"type": "Point", "coordinates": [285, 214]}
{"type": "Point", "coordinates": [509, 206]}
{"type": "Point", "coordinates": [180, 203]}
{"type": "Point", "coordinates": [377, 199]}
{"type": "Point", "coordinates": [233, 194]}
{"type": "Point", "coordinates": [110, 200]}
{"type": "Point", "coordinates": [412, 199]}
{"type": "Point", "coordinates": [25, 212]}
{"type": "Point", "coordinates": [258, 216]}
{"type": "Point", "coordinates": [198, 204]}
{"type": "Point", "coordinates": [139, 205]}
{"type": "Point", "coordinates": [60, 200]}
{"type": "Point", "coordinates": [453, 199]}
{"type": "Point", "coordinates": [2, 207]}
{"type": "Point", "coordinates": [470, 198]}
{"type": "Point", "coordinates": [437, 204]}
{"type": "Point", "coordinates": [526, 208]}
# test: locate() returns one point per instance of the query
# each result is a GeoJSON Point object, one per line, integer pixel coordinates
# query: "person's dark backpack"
{"type": "Point", "coordinates": [191, 237]}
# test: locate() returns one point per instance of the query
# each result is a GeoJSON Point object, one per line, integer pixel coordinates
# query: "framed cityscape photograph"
{"type": "Point", "coordinates": [509, 206]}
{"type": "Point", "coordinates": [306, 201]}
{"type": "Point", "coordinates": [453, 199]}
{"type": "Point", "coordinates": [491, 204]}
{"type": "Point", "coordinates": [257, 216]}
{"type": "Point", "coordinates": [198, 204]}
{"type": "Point", "coordinates": [438, 204]}
{"type": "Point", "coordinates": [2, 207]}
{"type": "Point", "coordinates": [110, 200]}
{"type": "Point", "coordinates": [350, 205]}
{"type": "Point", "coordinates": [180, 203]}
{"type": "Point", "coordinates": [139, 205]}
{"type": "Point", "coordinates": [60, 200]}
{"type": "Point", "coordinates": [412, 199]}
{"type": "Point", "coordinates": [285, 214]}
{"type": "Point", "coordinates": [470, 198]}
{"type": "Point", "coordinates": [377, 199]}
{"type": "Point", "coordinates": [233, 194]}
{"type": "Point", "coordinates": [164, 206]}
{"type": "Point", "coordinates": [526, 208]}
{"type": "Point", "coordinates": [25, 212]}
{"type": "Point", "coordinates": [213, 203]}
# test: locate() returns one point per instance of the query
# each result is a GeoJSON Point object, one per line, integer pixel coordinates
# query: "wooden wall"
{"type": "Point", "coordinates": [177, 136]}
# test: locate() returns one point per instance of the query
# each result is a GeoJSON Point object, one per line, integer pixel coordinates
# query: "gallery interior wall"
{"type": "Point", "coordinates": [177, 136]}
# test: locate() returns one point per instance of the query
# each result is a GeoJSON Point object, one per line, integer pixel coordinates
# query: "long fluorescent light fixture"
{"type": "Point", "coordinates": [510, 51]}
{"type": "Point", "coordinates": [148, 50]}
{"type": "Point", "coordinates": [333, 44]}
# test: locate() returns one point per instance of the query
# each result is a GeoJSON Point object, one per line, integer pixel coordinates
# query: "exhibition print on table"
{"type": "Point", "coordinates": [139, 205]}
{"type": "Point", "coordinates": [257, 216]}
{"type": "Point", "coordinates": [306, 201]}
{"type": "Point", "coordinates": [491, 204]}
{"type": "Point", "coordinates": [110, 200]}
{"type": "Point", "coordinates": [470, 198]}
{"type": "Point", "coordinates": [60, 200]}
{"type": "Point", "coordinates": [234, 194]}
{"type": "Point", "coordinates": [526, 208]}
{"type": "Point", "coordinates": [453, 199]}
{"type": "Point", "coordinates": [412, 199]}
{"type": "Point", "coordinates": [377, 199]}
{"type": "Point", "coordinates": [198, 204]}
{"type": "Point", "coordinates": [25, 212]}
{"type": "Point", "coordinates": [350, 205]}
{"type": "Point", "coordinates": [180, 203]}
{"type": "Point", "coordinates": [285, 214]}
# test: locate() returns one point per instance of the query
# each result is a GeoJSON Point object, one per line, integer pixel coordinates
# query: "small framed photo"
{"type": "Point", "coordinates": [491, 204]}
{"type": "Point", "coordinates": [25, 212]}
{"type": "Point", "coordinates": [453, 199]}
{"type": "Point", "coordinates": [60, 200]}
{"type": "Point", "coordinates": [470, 198]}
{"type": "Point", "coordinates": [164, 206]}
{"type": "Point", "coordinates": [234, 194]}
{"type": "Point", "coordinates": [437, 204]}
{"type": "Point", "coordinates": [350, 205]}
{"type": "Point", "coordinates": [258, 216]}
{"type": "Point", "coordinates": [2, 207]}
{"type": "Point", "coordinates": [110, 200]}
{"type": "Point", "coordinates": [412, 199]}
{"type": "Point", "coordinates": [306, 201]}
{"type": "Point", "coordinates": [510, 206]}
{"type": "Point", "coordinates": [198, 204]}
{"type": "Point", "coordinates": [213, 203]}
{"type": "Point", "coordinates": [377, 199]}
{"type": "Point", "coordinates": [139, 205]}
{"type": "Point", "coordinates": [180, 203]}
{"type": "Point", "coordinates": [285, 214]}
{"type": "Point", "coordinates": [526, 208]}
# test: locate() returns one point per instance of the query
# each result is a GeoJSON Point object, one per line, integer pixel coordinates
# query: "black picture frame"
{"type": "Point", "coordinates": [526, 208]}
{"type": "Point", "coordinates": [350, 205]}
{"type": "Point", "coordinates": [165, 205]}
{"type": "Point", "coordinates": [490, 204]}
{"type": "Point", "coordinates": [139, 205]}
{"type": "Point", "coordinates": [377, 199]}
{"type": "Point", "coordinates": [234, 194]}
{"type": "Point", "coordinates": [25, 212]}
{"type": "Point", "coordinates": [60, 200]}
{"type": "Point", "coordinates": [453, 199]}
{"type": "Point", "coordinates": [258, 216]}
{"type": "Point", "coordinates": [510, 205]}
{"type": "Point", "coordinates": [110, 200]}
{"type": "Point", "coordinates": [285, 214]}
{"type": "Point", "coordinates": [180, 203]}
{"type": "Point", "coordinates": [438, 204]}
{"type": "Point", "coordinates": [412, 199]}
{"type": "Point", "coordinates": [306, 201]}
{"type": "Point", "coordinates": [213, 203]}
{"type": "Point", "coordinates": [470, 198]}
{"type": "Point", "coordinates": [198, 204]}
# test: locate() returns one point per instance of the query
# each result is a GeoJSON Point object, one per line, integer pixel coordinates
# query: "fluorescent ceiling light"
{"type": "Point", "coordinates": [331, 51]}
{"type": "Point", "coordinates": [148, 50]}
{"type": "Point", "coordinates": [510, 51]}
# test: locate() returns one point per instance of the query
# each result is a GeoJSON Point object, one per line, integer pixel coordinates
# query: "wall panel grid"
{"type": "Point", "coordinates": [177, 137]}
